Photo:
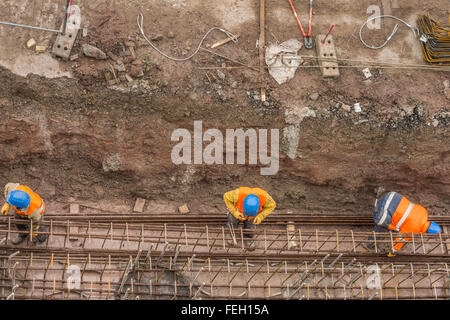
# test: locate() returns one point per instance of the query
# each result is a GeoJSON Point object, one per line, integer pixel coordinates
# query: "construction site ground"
{"type": "Point", "coordinates": [75, 139]}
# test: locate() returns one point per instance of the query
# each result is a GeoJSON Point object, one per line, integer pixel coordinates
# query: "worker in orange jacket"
{"type": "Point", "coordinates": [249, 206]}
{"type": "Point", "coordinates": [24, 204]}
{"type": "Point", "coordinates": [394, 212]}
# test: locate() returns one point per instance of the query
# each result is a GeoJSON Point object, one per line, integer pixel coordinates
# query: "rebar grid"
{"type": "Point", "coordinates": [133, 261]}
{"type": "Point", "coordinates": [45, 275]}
{"type": "Point", "coordinates": [206, 238]}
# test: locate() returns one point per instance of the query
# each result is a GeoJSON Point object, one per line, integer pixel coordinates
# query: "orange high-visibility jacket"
{"type": "Point", "coordinates": [235, 200]}
{"type": "Point", "coordinates": [245, 191]}
{"type": "Point", "coordinates": [36, 202]}
{"type": "Point", "coordinates": [407, 217]}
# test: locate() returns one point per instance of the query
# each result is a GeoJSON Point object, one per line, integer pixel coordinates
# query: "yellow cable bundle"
{"type": "Point", "coordinates": [435, 40]}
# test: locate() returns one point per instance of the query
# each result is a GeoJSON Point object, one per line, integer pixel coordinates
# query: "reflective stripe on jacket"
{"type": "Point", "coordinates": [397, 213]}
{"type": "Point", "coordinates": [36, 206]}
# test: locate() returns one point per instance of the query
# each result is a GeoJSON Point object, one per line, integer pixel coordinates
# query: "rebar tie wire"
{"type": "Point", "coordinates": [413, 29]}
{"type": "Point", "coordinates": [140, 23]}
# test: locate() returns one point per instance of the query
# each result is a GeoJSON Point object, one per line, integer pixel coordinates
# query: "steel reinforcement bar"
{"type": "Point", "coordinates": [37, 273]}
{"type": "Point", "coordinates": [206, 239]}
{"type": "Point", "coordinates": [206, 218]}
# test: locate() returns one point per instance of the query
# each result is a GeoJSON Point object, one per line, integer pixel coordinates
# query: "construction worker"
{"type": "Point", "coordinates": [394, 212]}
{"type": "Point", "coordinates": [249, 206]}
{"type": "Point", "coordinates": [25, 204]}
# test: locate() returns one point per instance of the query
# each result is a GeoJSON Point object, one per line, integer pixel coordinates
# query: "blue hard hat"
{"type": "Point", "coordinates": [18, 199]}
{"type": "Point", "coordinates": [251, 205]}
{"type": "Point", "coordinates": [434, 228]}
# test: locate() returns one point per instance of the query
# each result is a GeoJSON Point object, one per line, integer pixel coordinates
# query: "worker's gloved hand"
{"type": "Point", "coordinates": [258, 219]}
{"type": "Point", "coordinates": [239, 215]}
{"type": "Point", "coordinates": [391, 254]}
{"type": "Point", "coordinates": [5, 208]}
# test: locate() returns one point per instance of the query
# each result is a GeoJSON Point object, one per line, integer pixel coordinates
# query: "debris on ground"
{"type": "Point", "coordinates": [139, 205]}
{"type": "Point", "coordinates": [31, 43]}
{"type": "Point", "coordinates": [327, 57]}
{"type": "Point", "coordinates": [93, 52]}
{"type": "Point", "coordinates": [367, 73]}
{"type": "Point", "coordinates": [222, 42]}
{"type": "Point", "coordinates": [314, 96]}
{"type": "Point", "coordinates": [283, 60]}
{"type": "Point", "coordinates": [184, 209]}
{"type": "Point", "coordinates": [41, 49]}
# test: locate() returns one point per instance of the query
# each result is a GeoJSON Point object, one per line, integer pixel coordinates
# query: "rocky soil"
{"type": "Point", "coordinates": [81, 137]}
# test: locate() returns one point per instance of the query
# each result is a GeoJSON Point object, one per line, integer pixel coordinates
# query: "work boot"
{"type": "Point", "coordinates": [18, 238]}
{"type": "Point", "coordinates": [250, 245]}
{"type": "Point", "coordinates": [39, 238]}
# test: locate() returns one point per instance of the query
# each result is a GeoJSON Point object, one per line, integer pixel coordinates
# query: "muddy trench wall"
{"type": "Point", "coordinates": [66, 140]}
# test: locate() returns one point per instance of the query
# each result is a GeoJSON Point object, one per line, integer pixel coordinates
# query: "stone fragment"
{"type": "Point", "coordinates": [158, 37]}
{"type": "Point", "coordinates": [40, 49]}
{"type": "Point", "coordinates": [184, 209]}
{"type": "Point", "coordinates": [31, 43]}
{"type": "Point", "coordinates": [314, 96]}
{"type": "Point", "coordinates": [93, 52]}
{"type": "Point", "coordinates": [447, 93]}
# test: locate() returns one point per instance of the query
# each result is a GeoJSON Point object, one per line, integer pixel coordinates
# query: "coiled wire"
{"type": "Point", "coordinates": [140, 23]}
{"type": "Point", "coordinates": [413, 29]}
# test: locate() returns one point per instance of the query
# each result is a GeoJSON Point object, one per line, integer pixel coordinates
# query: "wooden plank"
{"type": "Point", "coordinates": [261, 43]}
{"type": "Point", "coordinates": [139, 205]}
{"type": "Point", "coordinates": [222, 42]}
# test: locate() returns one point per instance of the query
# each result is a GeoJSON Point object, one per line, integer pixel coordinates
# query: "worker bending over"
{"type": "Point", "coordinates": [250, 206]}
{"type": "Point", "coordinates": [25, 204]}
{"type": "Point", "coordinates": [394, 212]}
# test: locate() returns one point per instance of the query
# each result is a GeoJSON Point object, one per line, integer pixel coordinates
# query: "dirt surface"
{"type": "Point", "coordinates": [72, 137]}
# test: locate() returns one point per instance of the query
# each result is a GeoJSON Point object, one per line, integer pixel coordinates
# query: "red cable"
{"type": "Point", "coordinates": [68, 9]}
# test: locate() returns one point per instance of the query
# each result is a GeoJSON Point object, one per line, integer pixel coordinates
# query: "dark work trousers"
{"type": "Point", "coordinates": [25, 226]}
{"type": "Point", "coordinates": [234, 224]}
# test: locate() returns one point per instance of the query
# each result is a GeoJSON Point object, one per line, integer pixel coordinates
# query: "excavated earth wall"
{"type": "Point", "coordinates": [68, 140]}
